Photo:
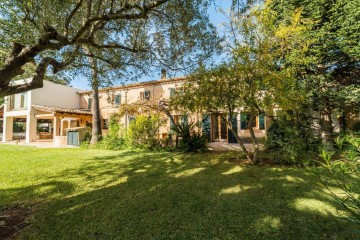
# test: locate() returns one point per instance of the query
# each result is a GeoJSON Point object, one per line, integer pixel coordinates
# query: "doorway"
{"type": "Point", "coordinates": [219, 128]}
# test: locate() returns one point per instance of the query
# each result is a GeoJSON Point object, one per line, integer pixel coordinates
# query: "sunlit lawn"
{"type": "Point", "coordinates": [93, 194]}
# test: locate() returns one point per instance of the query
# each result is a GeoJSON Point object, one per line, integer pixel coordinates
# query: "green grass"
{"type": "Point", "coordinates": [94, 194]}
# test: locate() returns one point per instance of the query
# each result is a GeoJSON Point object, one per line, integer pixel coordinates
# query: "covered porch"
{"type": "Point", "coordinates": [52, 123]}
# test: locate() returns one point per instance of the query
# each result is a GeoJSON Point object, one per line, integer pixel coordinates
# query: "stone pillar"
{"type": "Point", "coordinates": [61, 127]}
{"type": "Point", "coordinates": [55, 126]}
{"type": "Point", "coordinates": [8, 129]}
{"type": "Point", "coordinates": [31, 122]}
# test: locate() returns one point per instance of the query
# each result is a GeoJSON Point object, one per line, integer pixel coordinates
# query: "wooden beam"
{"type": "Point", "coordinates": [50, 115]}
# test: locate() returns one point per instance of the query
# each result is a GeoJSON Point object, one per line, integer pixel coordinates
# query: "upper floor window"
{"type": "Point", "coordinates": [90, 103]}
{"type": "Point", "coordinates": [18, 101]}
{"type": "Point", "coordinates": [117, 100]}
{"type": "Point", "coordinates": [146, 95]}
{"type": "Point", "coordinates": [172, 92]}
{"type": "Point", "coordinates": [12, 102]}
{"type": "Point", "coordinates": [22, 100]}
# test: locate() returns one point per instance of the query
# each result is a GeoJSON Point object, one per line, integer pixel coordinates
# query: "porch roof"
{"type": "Point", "coordinates": [61, 110]}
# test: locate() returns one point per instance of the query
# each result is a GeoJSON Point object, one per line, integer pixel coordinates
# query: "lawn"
{"type": "Point", "coordinates": [93, 194]}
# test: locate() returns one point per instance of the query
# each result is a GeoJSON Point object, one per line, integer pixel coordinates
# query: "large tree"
{"type": "Point", "coordinates": [332, 76]}
{"type": "Point", "coordinates": [143, 32]}
{"type": "Point", "coordinates": [259, 73]}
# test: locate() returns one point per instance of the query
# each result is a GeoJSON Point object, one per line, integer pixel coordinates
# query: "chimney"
{"type": "Point", "coordinates": [163, 74]}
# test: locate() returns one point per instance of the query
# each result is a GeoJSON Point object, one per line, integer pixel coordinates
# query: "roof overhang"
{"type": "Point", "coordinates": [54, 110]}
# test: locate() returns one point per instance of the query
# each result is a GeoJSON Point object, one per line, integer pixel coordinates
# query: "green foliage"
{"type": "Point", "coordinates": [19, 127]}
{"type": "Point", "coordinates": [112, 141]}
{"type": "Point", "coordinates": [291, 141]}
{"type": "Point", "coordinates": [331, 72]}
{"type": "Point", "coordinates": [190, 139]}
{"type": "Point", "coordinates": [143, 132]}
{"type": "Point", "coordinates": [345, 173]}
{"type": "Point", "coordinates": [356, 127]}
{"type": "Point", "coordinates": [133, 37]}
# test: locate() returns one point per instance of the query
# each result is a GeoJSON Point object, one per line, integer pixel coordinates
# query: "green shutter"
{"type": "Point", "coordinates": [117, 100]}
{"type": "Point", "coordinates": [172, 92]}
{"type": "Point", "coordinates": [90, 103]}
{"type": "Point", "coordinates": [243, 120]}
{"type": "Point", "coordinates": [171, 123]}
{"type": "Point", "coordinates": [262, 121]}
{"type": "Point", "coordinates": [185, 119]}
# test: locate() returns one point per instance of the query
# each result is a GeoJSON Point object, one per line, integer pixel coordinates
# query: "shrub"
{"type": "Point", "coordinates": [291, 143]}
{"type": "Point", "coordinates": [112, 141]}
{"type": "Point", "coordinates": [345, 173]}
{"type": "Point", "coordinates": [142, 132]}
{"type": "Point", "coordinates": [190, 140]}
{"type": "Point", "coordinates": [356, 128]}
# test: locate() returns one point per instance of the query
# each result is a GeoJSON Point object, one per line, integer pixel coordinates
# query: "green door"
{"type": "Point", "coordinates": [73, 138]}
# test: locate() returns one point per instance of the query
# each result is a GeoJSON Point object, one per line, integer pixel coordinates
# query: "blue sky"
{"type": "Point", "coordinates": [216, 17]}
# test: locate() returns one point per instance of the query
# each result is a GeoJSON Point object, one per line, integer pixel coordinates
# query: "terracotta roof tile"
{"type": "Point", "coordinates": [61, 110]}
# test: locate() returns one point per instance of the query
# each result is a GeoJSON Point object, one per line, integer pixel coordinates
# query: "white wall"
{"type": "Point", "coordinates": [56, 95]}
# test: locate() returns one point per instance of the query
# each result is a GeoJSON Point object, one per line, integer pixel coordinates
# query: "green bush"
{"type": "Point", "coordinates": [190, 140]}
{"type": "Point", "coordinates": [356, 128]}
{"type": "Point", "coordinates": [345, 173]}
{"type": "Point", "coordinates": [112, 141]}
{"type": "Point", "coordinates": [143, 132]}
{"type": "Point", "coordinates": [289, 142]}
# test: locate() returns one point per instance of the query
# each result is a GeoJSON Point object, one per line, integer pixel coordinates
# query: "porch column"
{"type": "Point", "coordinates": [61, 127]}
{"type": "Point", "coordinates": [7, 129]}
{"type": "Point", "coordinates": [31, 122]}
{"type": "Point", "coordinates": [55, 126]}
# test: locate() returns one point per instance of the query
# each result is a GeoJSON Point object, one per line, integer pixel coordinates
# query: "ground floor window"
{"type": "Point", "coordinates": [259, 121]}
{"type": "Point", "coordinates": [105, 123]}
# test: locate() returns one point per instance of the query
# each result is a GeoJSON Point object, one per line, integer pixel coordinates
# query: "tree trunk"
{"type": "Point", "coordinates": [96, 118]}
{"type": "Point", "coordinates": [326, 128]}
{"type": "Point", "coordinates": [238, 139]}
{"type": "Point", "coordinates": [253, 139]}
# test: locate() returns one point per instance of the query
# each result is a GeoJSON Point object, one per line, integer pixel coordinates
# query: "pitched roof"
{"type": "Point", "coordinates": [135, 85]}
{"type": "Point", "coordinates": [61, 110]}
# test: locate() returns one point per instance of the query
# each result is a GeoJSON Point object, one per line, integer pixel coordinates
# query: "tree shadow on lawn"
{"type": "Point", "coordinates": [40, 192]}
{"type": "Point", "coordinates": [182, 196]}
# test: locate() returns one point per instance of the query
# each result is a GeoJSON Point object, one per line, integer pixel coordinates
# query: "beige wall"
{"type": "Point", "coordinates": [56, 95]}
{"type": "Point", "coordinates": [159, 90]}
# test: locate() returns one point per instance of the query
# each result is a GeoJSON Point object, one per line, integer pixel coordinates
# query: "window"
{"type": "Point", "coordinates": [179, 119]}
{"type": "Point", "coordinates": [145, 95]}
{"type": "Point", "coordinates": [131, 119]}
{"type": "Point", "coordinates": [244, 120]}
{"type": "Point", "coordinates": [117, 99]}
{"type": "Point", "coordinates": [22, 102]}
{"type": "Point", "coordinates": [172, 92]}
{"type": "Point", "coordinates": [90, 103]}
{"type": "Point", "coordinates": [105, 123]}
{"type": "Point", "coordinates": [185, 119]}
{"type": "Point", "coordinates": [12, 102]}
